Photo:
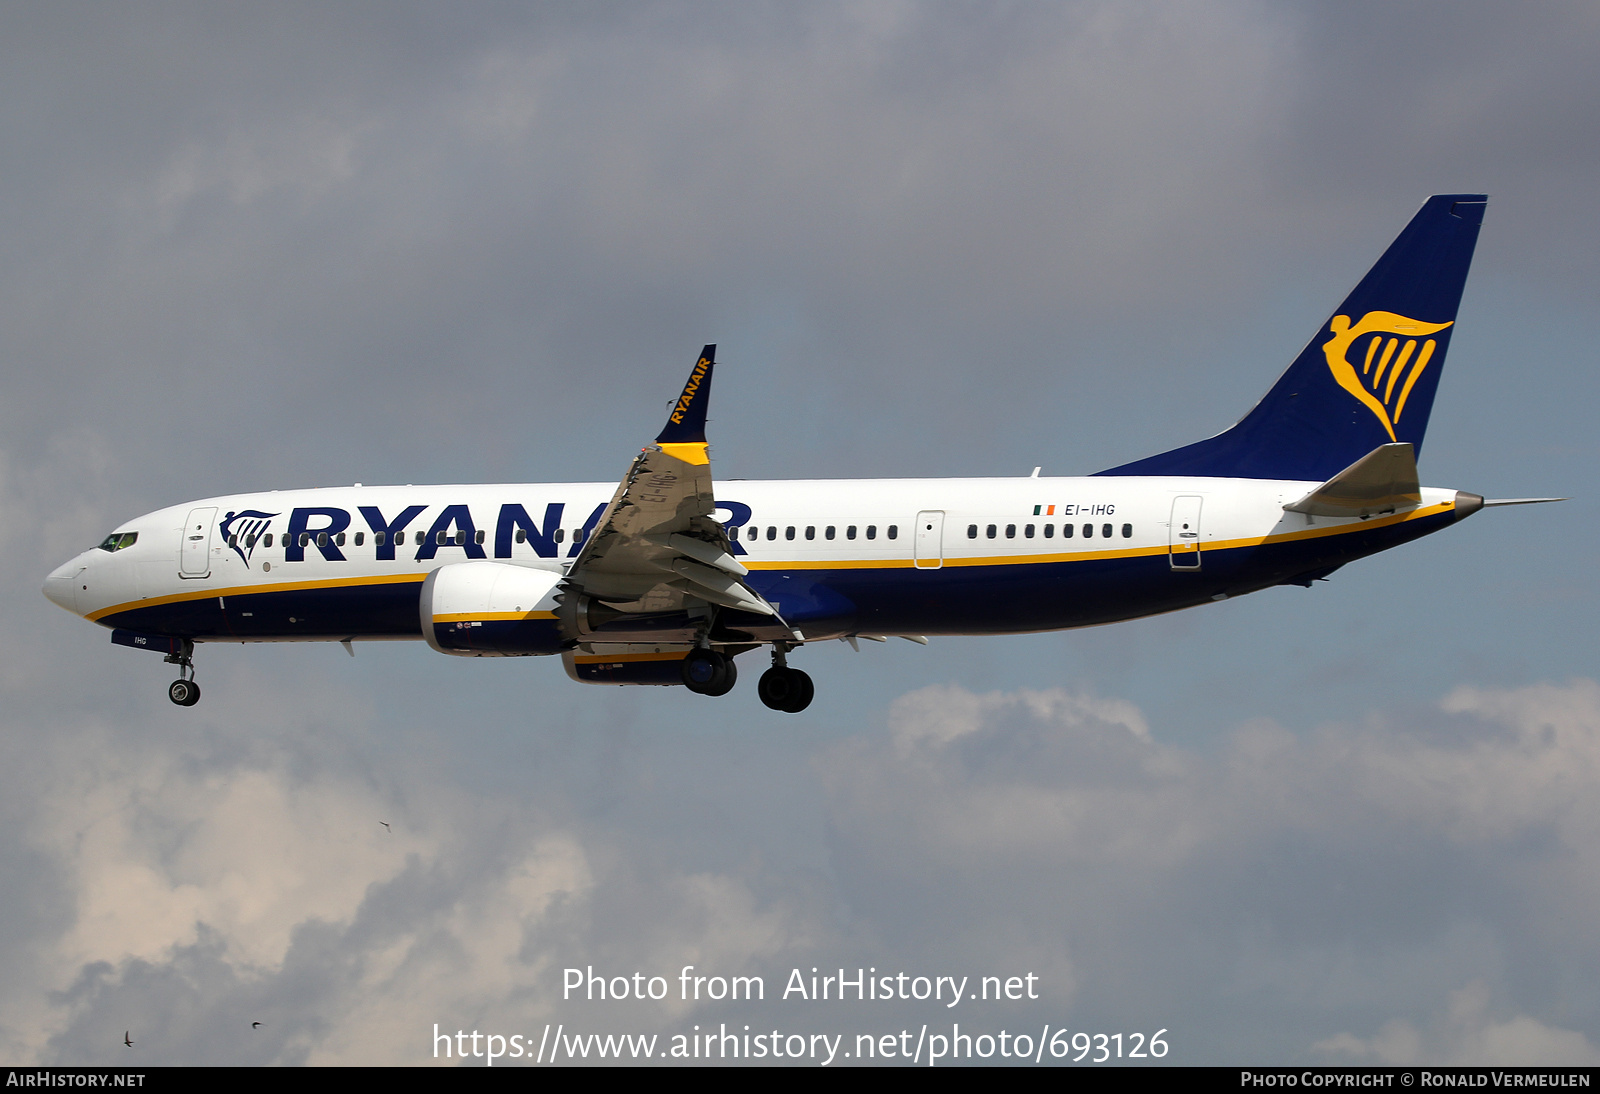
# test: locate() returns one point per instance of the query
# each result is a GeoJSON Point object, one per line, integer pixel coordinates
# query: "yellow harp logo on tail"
{"type": "Point", "coordinates": [1390, 351]}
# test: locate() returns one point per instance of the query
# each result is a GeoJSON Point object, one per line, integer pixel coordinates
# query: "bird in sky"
{"type": "Point", "coordinates": [127, 1038]}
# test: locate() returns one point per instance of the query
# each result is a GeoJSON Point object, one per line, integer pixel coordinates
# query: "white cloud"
{"type": "Point", "coordinates": [160, 853]}
{"type": "Point", "coordinates": [156, 853]}
{"type": "Point", "coordinates": [1356, 870]}
{"type": "Point", "coordinates": [1529, 762]}
{"type": "Point", "coordinates": [465, 962]}
{"type": "Point", "coordinates": [203, 885]}
{"type": "Point", "coordinates": [302, 157]}
{"type": "Point", "coordinates": [1465, 1035]}
{"type": "Point", "coordinates": [1360, 865]}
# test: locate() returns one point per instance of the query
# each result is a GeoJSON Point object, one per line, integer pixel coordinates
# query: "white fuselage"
{"type": "Point", "coordinates": [923, 556]}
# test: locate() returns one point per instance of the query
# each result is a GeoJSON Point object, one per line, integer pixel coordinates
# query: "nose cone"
{"type": "Point", "coordinates": [61, 587]}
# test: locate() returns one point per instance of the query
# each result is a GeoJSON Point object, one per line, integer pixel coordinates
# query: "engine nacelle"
{"type": "Point", "coordinates": [627, 663]}
{"type": "Point", "coordinates": [490, 609]}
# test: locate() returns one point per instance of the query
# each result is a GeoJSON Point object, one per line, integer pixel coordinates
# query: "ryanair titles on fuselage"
{"type": "Point", "coordinates": [325, 528]}
{"type": "Point", "coordinates": [504, 530]}
{"type": "Point", "coordinates": [802, 524]}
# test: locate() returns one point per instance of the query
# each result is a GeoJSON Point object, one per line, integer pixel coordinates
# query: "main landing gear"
{"type": "Point", "coordinates": [711, 672]}
{"type": "Point", "coordinates": [708, 672]}
{"type": "Point", "coordinates": [183, 691]}
{"type": "Point", "coordinates": [783, 688]}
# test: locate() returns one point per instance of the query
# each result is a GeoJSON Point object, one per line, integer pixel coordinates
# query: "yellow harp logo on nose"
{"type": "Point", "coordinates": [1378, 385]}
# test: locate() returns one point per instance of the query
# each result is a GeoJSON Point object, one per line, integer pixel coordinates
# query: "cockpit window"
{"type": "Point", "coordinates": [119, 541]}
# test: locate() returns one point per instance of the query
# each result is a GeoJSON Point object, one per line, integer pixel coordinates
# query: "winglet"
{"type": "Point", "coordinates": [685, 432]}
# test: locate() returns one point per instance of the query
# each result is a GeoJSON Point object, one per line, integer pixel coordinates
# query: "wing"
{"type": "Point", "coordinates": [658, 546]}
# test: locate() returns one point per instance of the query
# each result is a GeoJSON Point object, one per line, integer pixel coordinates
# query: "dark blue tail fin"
{"type": "Point", "coordinates": [1369, 375]}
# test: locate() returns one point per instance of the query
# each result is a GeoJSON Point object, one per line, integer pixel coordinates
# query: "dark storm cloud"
{"type": "Point", "coordinates": [320, 253]}
{"type": "Point", "coordinates": [356, 232]}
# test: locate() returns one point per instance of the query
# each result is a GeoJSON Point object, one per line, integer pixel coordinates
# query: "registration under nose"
{"type": "Point", "coordinates": [61, 587]}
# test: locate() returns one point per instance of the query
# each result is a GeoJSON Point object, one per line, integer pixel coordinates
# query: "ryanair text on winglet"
{"type": "Point", "coordinates": [689, 389]}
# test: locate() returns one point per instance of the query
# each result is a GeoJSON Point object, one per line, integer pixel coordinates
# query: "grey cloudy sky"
{"type": "Point", "coordinates": [297, 245]}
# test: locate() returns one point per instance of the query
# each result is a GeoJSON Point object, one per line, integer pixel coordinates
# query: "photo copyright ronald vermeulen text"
{"type": "Point", "coordinates": [928, 1043]}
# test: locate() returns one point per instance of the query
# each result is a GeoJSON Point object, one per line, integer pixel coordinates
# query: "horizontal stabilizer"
{"type": "Point", "coordinates": [1382, 481]}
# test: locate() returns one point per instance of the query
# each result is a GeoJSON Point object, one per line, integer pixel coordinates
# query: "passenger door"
{"type": "Point", "coordinates": [194, 552]}
{"type": "Point", "coordinates": [929, 545]}
{"type": "Point", "coordinates": [1184, 535]}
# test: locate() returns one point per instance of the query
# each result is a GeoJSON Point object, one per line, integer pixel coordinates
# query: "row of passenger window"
{"type": "Point", "coordinates": [1107, 531]}
{"type": "Point", "coordinates": [443, 539]}
{"type": "Point", "coordinates": [753, 533]}
{"type": "Point", "coordinates": [1067, 530]}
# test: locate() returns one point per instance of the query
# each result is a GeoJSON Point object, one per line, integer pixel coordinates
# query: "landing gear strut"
{"type": "Point", "coordinates": [183, 691]}
{"type": "Point", "coordinates": [783, 688]}
{"type": "Point", "coordinates": [709, 672]}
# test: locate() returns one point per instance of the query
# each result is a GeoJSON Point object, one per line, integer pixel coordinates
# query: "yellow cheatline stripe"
{"type": "Point", "coordinates": [485, 617]}
{"type": "Point", "coordinates": [597, 659]}
{"type": "Point", "coordinates": [687, 451]}
{"type": "Point", "coordinates": [1087, 556]}
{"type": "Point", "coordinates": [1080, 556]}
{"type": "Point", "coordinates": [839, 564]}
{"type": "Point", "coordinates": [1339, 530]}
{"type": "Point", "coordinates": [247, 590]}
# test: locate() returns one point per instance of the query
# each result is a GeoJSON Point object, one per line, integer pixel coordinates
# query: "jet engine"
{"type": "Point", "coordinates": [491, 609]}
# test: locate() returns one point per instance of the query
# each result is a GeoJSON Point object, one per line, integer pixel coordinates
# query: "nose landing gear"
{"type": "Point", "coordinates": [783, 688]}
{"type": "Point", "coordinates": [183, 691]}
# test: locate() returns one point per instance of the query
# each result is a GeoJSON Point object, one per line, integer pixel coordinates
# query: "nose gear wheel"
{"type": "Point", "coordinates": [183, 691]}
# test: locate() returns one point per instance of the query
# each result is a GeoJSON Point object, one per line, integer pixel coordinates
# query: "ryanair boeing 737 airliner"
{"type": "Point", "coordinates": [668, 577]}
